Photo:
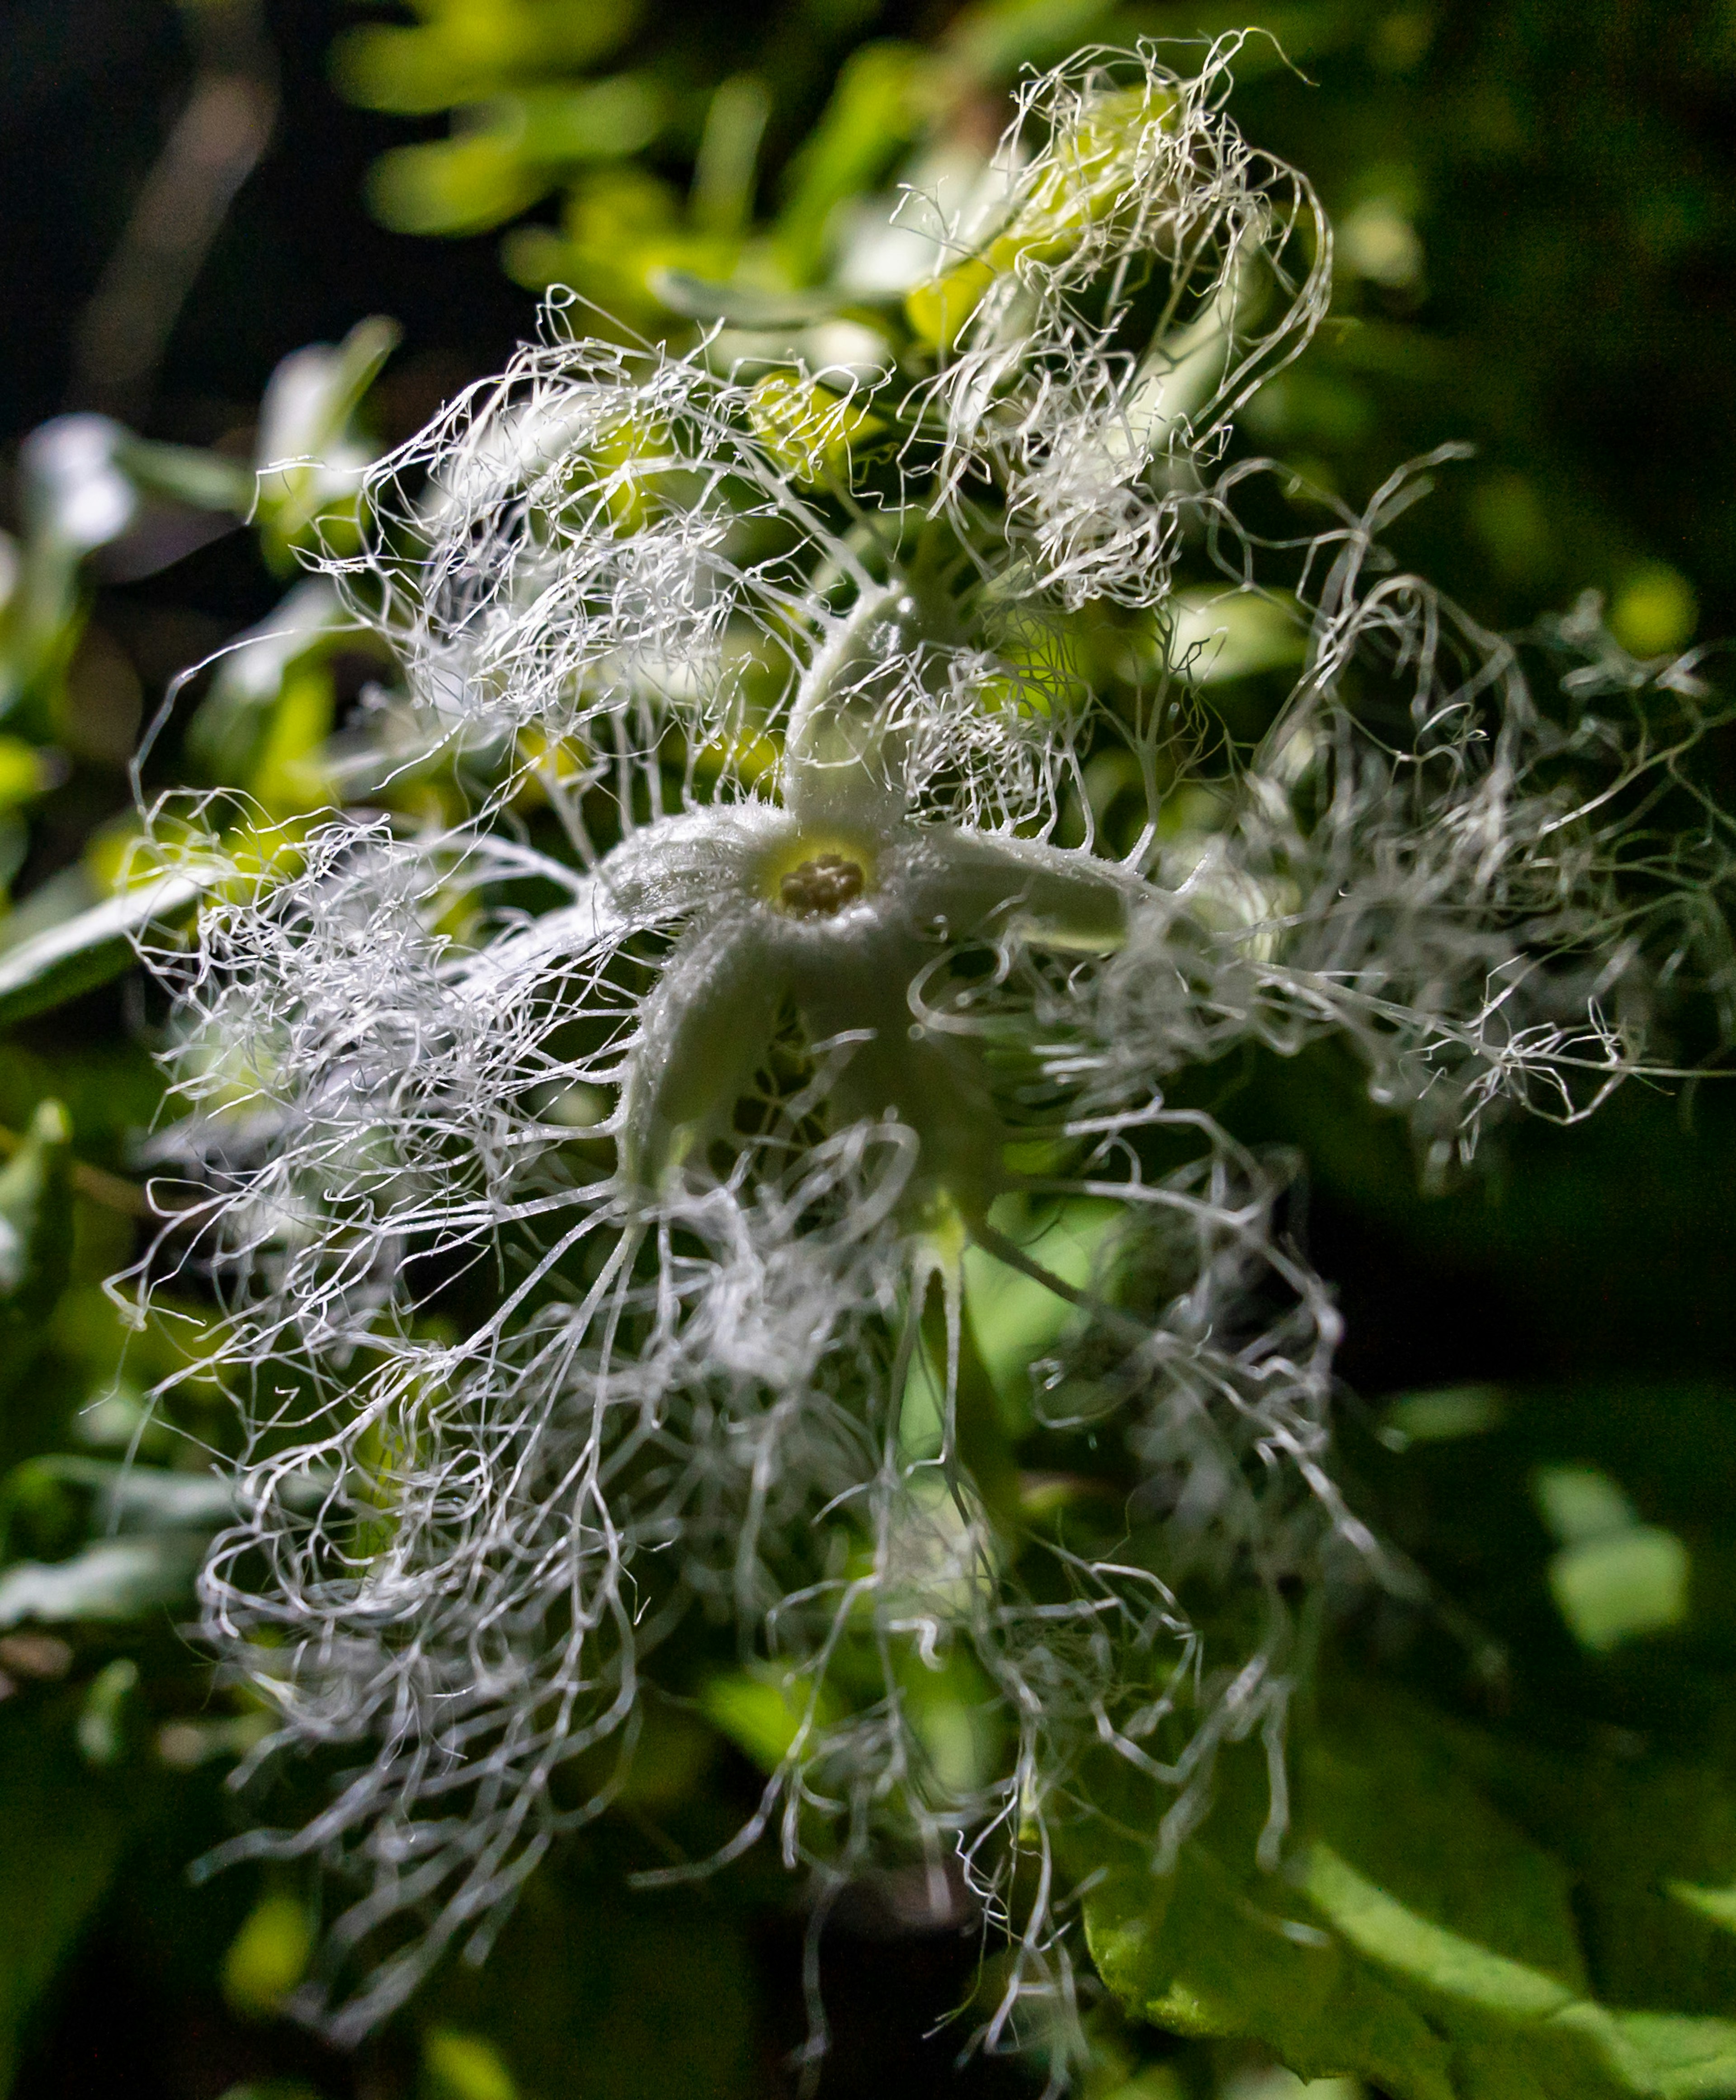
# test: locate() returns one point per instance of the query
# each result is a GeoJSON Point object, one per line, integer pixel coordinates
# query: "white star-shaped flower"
{"type": "Point", "coordinates": [837, 904]}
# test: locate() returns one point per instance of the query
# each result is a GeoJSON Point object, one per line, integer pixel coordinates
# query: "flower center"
{"type": "Point", "coordinates": [820, 888]}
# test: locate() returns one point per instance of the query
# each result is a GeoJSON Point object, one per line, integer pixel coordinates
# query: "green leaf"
{"type": "Point", "coordinates": [1614, 1578]}
{"type": "Point", "coordinates": [268, 1957]}
{"type": "Point", "coordinates": [101, 1496]}
{"type": "Point", "coordinates": [225, 736]}
{"type": "Point", "coordinates": [36, 1225]}
{"type": "Point", "coordinates": [1014, 1318]}
{"type": "Point", "coordinates": [764, 1719]}
{"type": "Point", "coordinates": [89, 949]}
{"type": "Point", "coordinates": [290, 776]}
{"type": "Point", "coordinates": [454, 186]}
{"type": "Point", "coordinates": [310, 459]}
{"type": "Point", "coordinates": [1585, 1530]}
{"type": "Point", "coordinates": [315, 391]}
{"type": "Point", "coordinates": [1218, 635]}
{"type": "Point", "coordinates": [1456, 1896]}
{"type": "Point", "coordinates": [105, 1720]}
{"type": "Point", "coordinates": [1611, 1589]}
{"type": "Point", "coordinates": [743, 305]}
{"type": "Point", "coordinates": [1423, 1941]}
{"type": "Point", "coordinates": [1204, 1952]}
{"type": "Point", "coordinates": [1581, 1503]}
{"type": "Point", "coordinates": [884, 93]}
{"type": "Point", "coordinates": [183, 473]}
{"type": "Point", "coordinates": [60, 1839]}
{"type": "Point", "coordinates": [36, 1240]}
{"type": "Point", "coordinates": [1650, 1841]}
{"type": "Point", "coordinates": [603, 120]}
{"type": "Point", "coordinates": [25, 772]}
{"type": "Point", "coordinates": [1444, 1414]}
{"type": "Point", "coordinates": [726, 171]}
{"type": "Point", "coordinates": [472, 47]}
{"type": "Point", "coordinates": [1718, 1904]}
{"type": "Point", "coordinates": [464, 2066]}
{"type": "Point", "coordinates": [117, 1580]}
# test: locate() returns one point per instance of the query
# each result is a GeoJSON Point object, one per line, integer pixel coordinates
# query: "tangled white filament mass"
{"type": "Point", "coordinates": [720, 1209]}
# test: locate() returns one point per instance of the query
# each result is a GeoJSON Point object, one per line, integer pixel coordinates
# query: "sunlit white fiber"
{"type": "Point", "coordinates": [552, 549]}
{"type": "Point", "coordinates": [1141, 284]}
{"type": "Point", "coordinates": [709, 1377]}
{"type": "Point", "coordinates": [603, 1223]}
{"type": "Point", "coordinates": [1469, 890]}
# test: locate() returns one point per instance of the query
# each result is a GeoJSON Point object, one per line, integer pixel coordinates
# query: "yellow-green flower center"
{"type": "Point", "coordinates": [820, 888]}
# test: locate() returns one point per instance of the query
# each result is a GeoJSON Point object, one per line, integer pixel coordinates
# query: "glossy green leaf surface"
{"type": "Point", "coordinates": [36, 1219]}
{"type": "Point", "coordinates": [1419, 1938]}
{"type": "Point", "coordinates": [116, 1579]}
{"type": "Point", "coordinates": [89, 949]}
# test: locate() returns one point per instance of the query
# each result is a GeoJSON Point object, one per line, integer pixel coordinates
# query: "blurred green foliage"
{"type": "Point", "coordinates": [1518, 1789]}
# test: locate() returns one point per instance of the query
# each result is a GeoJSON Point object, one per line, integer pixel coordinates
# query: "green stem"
{"type": "Point", "coordinates": [980, 1443]}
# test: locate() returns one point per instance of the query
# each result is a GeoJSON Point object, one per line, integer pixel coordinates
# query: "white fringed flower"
{"type": "Point", "coordinates": [741, 1193]}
